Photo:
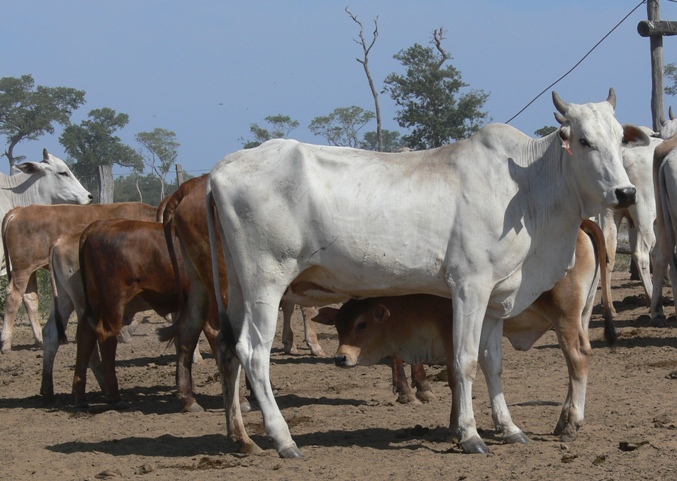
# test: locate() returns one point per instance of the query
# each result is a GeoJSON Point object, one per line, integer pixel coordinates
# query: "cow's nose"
{"type": "Point", "coordinates": [626, 197]}
{"type": "Point", "coordinates": [340, 360]}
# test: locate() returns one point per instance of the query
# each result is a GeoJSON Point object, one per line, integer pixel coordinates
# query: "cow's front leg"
{"type": "Point", "coordinates": [491, 362]}
{"type": "Point", "coordinates": [577, 351]}
{"type": "Point", "coordinates": [468, 314]}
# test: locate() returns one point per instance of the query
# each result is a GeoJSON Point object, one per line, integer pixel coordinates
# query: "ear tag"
{"type": "Point", "coordinates": [565, 145]}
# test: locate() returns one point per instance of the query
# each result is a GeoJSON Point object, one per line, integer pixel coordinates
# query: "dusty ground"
{"type": "Point", "coordinates": [346, 422]}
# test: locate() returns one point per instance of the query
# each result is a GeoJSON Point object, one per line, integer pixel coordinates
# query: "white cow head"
{"type": "Point", "coordinates": [592, 137]}
{"type": "Point", "coordinates": [55, 183]}
{"type": "Point", "coordinates": [668, 127]}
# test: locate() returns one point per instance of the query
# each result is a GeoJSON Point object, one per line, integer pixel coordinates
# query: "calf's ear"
{"type": "Point", "coordinates": [381, 313]}
{"type": "Point", "coordinates": [326, 316]}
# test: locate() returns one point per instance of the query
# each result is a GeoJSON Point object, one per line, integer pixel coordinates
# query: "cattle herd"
{"type": "Point", "coordinates": [427, 257]}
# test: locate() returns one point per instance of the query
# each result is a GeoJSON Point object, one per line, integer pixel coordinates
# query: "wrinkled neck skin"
{"type": "Point", "coordinates": [23, 189]}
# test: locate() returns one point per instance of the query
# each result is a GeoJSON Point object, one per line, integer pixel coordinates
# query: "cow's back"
{"type": "Point", "coordinates": [28, 232]}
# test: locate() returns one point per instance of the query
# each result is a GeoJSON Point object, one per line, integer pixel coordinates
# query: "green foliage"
{"type": "Point", "coordinates": [341, 127]}
{"type": "Point", "coordinates": [392, 141]}
{"type": "Point", "coordinates": [432, 105]}
{"type": "Point", "coordinates": [670, 72]}
{"type": "Point", "coordinates": [161, 151]}
{"type": "Point", "coordinates": [93, 143]}
{"type": "Point", "coordinates": [142, 188]}
{"type": "Point", "coordinates": [44, 295]}
{"type": "Point", "coordinates": [27, 112]}
{"type": "Point", "coordinates": [545, 130]}
{"type": "Point", "coordinates": [281, 126]}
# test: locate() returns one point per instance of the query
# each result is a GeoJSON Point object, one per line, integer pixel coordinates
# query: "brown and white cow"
{"type": "Point", "coordinates": [416, 328]}
{"type": "Point", "coordinates": [125, 269]}
{"type": "Point", "coordinates": [184, 214]}
{"type": "Point", "coordinates": [27, 235]}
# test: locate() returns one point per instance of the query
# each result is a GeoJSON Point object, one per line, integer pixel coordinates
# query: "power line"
{"type": "Point", "coordinates": [579, 62]}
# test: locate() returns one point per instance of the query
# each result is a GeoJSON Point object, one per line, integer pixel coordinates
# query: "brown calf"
{"type": "Point", "coordinates": [27, 235]}
{"type": "Point", "coordinates": [418, 328]}
{"type": "Point", "coordinates": [125, 269]}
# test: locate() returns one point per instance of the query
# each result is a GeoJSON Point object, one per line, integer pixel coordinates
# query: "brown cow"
{"type": "Point", "coordinates": [416, 328]}
{"type": "Point", "coordinates": [27, 235]}
{"type": "Point", "coordinates": [185, 214]}
{"type": "Point", "coordinates": [125, 269]}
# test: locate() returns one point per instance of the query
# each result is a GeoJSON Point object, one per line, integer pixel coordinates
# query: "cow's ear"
{"type": "Point", "coordinates": [633, 136]}
{"type": "Point", "coordinates": [564, 134]}
{"type": "Point", "coordinates": [29, 167]}
{"type": "Point", "coordinates": [326, 316]}
{"type": "Point", "coordinates": [381, 313]}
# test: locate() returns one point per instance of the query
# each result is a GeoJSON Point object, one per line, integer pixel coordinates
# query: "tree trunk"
{"type": "Point", "coordinates": [106, 184]}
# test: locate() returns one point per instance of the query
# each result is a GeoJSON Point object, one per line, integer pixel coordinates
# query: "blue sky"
{"type": "Point", "coordinates": [208, 69]}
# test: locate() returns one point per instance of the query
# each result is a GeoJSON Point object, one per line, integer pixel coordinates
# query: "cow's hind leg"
{"type": "Point", "coordinates": [309, 331]}
{"type": "Point", "coordinates": [50, 345]}
{"type": "Point", "coordinates": [15, 291]}
{"type": "Point", "coordinates": [287, 330]}
{"type": "Point", "coordinates": [30, 299]}
{"type": "Point", "coordinates": [419, 380]}
{"type": "Point", "coordinates": [86, 343]}
{"type": "Point", "coordinates": [253, 347]}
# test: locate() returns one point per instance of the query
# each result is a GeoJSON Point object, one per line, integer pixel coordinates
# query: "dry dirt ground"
{"type": "Point", "coordinates": [347, 422]}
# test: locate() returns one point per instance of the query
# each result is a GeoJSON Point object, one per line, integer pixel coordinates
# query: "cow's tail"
{"type": "Point", "coordinates": [5, 224]}
{"type": "Point", "coordinates": [168, 226]}
{"type": "Point", "coordinates": [226, 329]}
{"type": "Point", "coordinates": [88, 312]}
{"type": "Point", "coordinates": [60, 325]}
{"type": "Point", "coordinates": [597, 237]}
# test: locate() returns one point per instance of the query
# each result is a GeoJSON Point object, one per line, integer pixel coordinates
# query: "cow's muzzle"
{"type": "Point", "coordinates": [340, 360]}
{"type": "Point", "coordinates": [625, 197]}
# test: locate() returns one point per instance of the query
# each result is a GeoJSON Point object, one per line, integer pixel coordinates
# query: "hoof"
{"type": "Point", "coordinates": [408, 398]}
{"type": "Point", "coordinates": [317, 351]}
{"type": "Point", "coordinates": [474, 446]}
{"type": "Point", "coordinates": [245, 407]}
{"type": "Point", "coordinates": [290, 452]}
{"type": "Point", "coordinates": [290, 349]}
{"type": "Point", "coordinates": [193, 408]}
{"type": "Point", "coordinates": [81, 405]}
{"type": "Point", "coordinates": [517, 438]}
{"type": "Point", "coordinates": [249, 448]}
{"type": "Point", "coordinates": [658, 321]}
{"type": "Point", "coordinates": [426, 396]}
{"type": "Point", "coordinates": [6, 347]}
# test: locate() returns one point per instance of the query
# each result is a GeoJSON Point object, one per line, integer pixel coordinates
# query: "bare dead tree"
{"type": "Point", "coordinates": [438, 37]}
{"type": "Point", "coordinates": [365, 63]}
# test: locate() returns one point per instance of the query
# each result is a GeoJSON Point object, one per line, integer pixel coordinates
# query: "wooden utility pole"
{"type": "Point", "coordinates": [179, 175]}
{"type": "Point", "coordinates": [655, 29]}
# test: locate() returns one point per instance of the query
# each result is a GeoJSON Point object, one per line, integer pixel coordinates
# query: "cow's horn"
{"type": "Point", "coordinates": [560, 104]}
{"type": "Point", "coordinates": [612, 97]}
{"type": "Point", "coordinates": [560, 118]}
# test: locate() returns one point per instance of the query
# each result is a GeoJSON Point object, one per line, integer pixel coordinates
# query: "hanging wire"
{"type": "Point", "coordinates": [579, 62]}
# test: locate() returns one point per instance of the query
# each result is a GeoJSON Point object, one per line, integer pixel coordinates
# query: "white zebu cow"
{"type": "Point", "coordinates": [46, 182]}
{"type": "Point", "coordinates": [637, 161]}
{"type": "Point", "coordinates": [665, 181]}
{"type": "Point", "coordinates": [490, 222]}
{"type": "Point", "coordinates": [668, 127]}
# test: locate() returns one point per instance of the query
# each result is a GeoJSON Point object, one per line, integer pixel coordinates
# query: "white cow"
{"type": "Point", "coordinates": [663, 255]}
{"type": "Point", "coordinates": [46, 182]}
{"type": "Point", "coordinates": [668, 127]}
{"type": "Point", "coordinates": [490, 222]}
{"type": "Point", "coordinates": [637, 161]}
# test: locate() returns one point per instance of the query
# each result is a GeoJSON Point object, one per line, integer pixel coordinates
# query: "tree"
{"type": "Point", "coordinates": [137, 187]}
{"type": "Point", "coordinates": [281, 126]}
{"type": "Point", "coordinates": [365, 64]}
{"type": "Point", "coordinates": [28, 112]}
{"type": "Point", "coordinates": [545, 130]}
{"type": "Point", "coordinates": [93, 143]}
{"type": "Point", "coordinates": [341, 127]}
{"type": "Point", "coordinates": [161, 151]}
{"type": "Point", "coordinates": [390, 141]}
{"type": "Point", "coordinates": [432, 105]}
{"type": "Point", "coordinates": [670, 72]}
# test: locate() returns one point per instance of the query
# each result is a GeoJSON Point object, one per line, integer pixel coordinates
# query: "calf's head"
{"type": "Point", "coordinates": [362, 331]}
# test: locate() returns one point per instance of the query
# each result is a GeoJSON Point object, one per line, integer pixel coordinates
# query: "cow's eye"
{"type": "Point", "coordinates": [584, 142]}
{"type": "Point", "coordinates": [362, 326]}
{"type": "Point", "coordinates": [65, 174]}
